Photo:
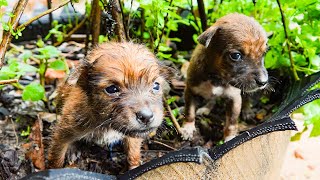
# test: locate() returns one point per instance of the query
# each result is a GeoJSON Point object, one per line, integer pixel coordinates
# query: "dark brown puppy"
{"type": "Point", "coordinates": [228, 60]}
{"type": "Point", "coordinates": [116, 93]}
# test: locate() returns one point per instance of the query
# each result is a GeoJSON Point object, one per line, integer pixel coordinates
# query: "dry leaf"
{"type": "Point", "coordinates": [34, 149]}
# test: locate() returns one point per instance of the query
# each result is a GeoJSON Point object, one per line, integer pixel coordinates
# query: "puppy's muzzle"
{"type": "Point", "coordinates": [145, 116]}
{"type": "Point", "coordinates": [262, 78]}
{"type": "Point", "coordinates": [261, 82]}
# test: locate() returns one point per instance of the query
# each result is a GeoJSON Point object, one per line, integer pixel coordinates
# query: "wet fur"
{"type": "Point", "coordinates": [88, 112]}
{"type": "Point", "coordinates": [212, 73]}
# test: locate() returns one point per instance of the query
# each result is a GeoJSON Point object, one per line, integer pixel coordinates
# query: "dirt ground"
{"type": "Point", "coordinates": [302, 160]}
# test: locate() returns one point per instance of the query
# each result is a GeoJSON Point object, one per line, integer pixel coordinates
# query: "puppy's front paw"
{"type": "Point", "coordinates": [187, 130]}
{"type": "Point", "coordinates": [203, 111]}
{"type": "Point", "coordinates": [247, 114]}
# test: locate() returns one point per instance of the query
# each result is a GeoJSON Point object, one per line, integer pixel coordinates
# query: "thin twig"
{"type": "Point", "coordinates": [21, 50]}
{"type": "Point", "coordinates": [49, 4]}
{"type": "Point", "coordinates": [13, 21]}
{"type": "Point", "coordinates": [116, 14]}
{"type": "Point", "coordinates": [192, 12]}
{"type": "Point", "coordinates": [67, 37]}
{"type": "Point", "coordinates": [165, 145]}
{"type": "Point", "coordinates": [162, 31]}
{"type": "Point", "coordinates": [123, 20]}
{"type": "Point", "coordinates": [10, 81]}
{"type": "Point", "coordinates": [129, 18]}
{"type": "Point", "coordinates": [173, 119]}
{"type": "Point", "coordinates": [15, 132]}
{"type": "Point", "coordinates": [293, 69]}
{"type": "Point", "coordinates": [43, 14]}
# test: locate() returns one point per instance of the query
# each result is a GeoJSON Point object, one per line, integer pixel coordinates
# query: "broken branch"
{"type": "Point", "coordinates": [43, 14]}
{"type": "Point", "coordinates": [13, 21]}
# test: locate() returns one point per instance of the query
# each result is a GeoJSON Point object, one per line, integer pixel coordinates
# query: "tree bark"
{"type": "Point", "coordinates": [95, 21]}
{"type": "Point", "coordinates": [116, 14]}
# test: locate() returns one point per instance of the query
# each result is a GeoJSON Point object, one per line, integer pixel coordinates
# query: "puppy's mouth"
{"type": "Point", "coordinates": [139, 132]}
{"type": "Point", "coordinates": [254, 89]}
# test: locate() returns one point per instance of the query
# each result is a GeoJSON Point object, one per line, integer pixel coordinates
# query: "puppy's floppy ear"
{"type": "Point", "coordinates": [80, 74]}
{"type": "Point", "coordinates": [207, 35]}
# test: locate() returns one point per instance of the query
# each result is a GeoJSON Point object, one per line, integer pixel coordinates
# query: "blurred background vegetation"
{"type": "Point", "coordinates": [170, 28]}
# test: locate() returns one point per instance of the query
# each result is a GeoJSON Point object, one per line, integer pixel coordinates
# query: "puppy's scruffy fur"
{"type": "Point", "coordinates": [228, 60]}
{"type": "Point", "coordinates": [114, 94]}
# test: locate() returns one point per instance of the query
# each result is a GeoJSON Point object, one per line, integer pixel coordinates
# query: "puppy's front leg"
{"type": "Point", "coordinates": [246, 111]}
{"type": "Point", "coordinates": [232, 113]}
{"type": "Point", "coordinates": [61, 139]}
{"type": "Point", "coordinates": [188, 126]}
{"type": "Point", "coordinates": [133, 149]}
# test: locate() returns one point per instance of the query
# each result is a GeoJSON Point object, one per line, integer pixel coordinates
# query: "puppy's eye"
{"type": "Point", "coordinates": [156, 87]}
{"type": "Point", "coordinates": [112, 89]}
{"type": "Point", "coordinates": [236, 56]}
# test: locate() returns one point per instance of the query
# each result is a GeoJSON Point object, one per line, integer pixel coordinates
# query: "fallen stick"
{"type": "Point", "coordinates": [10, 81]}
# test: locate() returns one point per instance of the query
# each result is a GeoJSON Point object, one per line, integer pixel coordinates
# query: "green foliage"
{"type": "Point", "coordinates": [49, 56]}
{"type": "Point", "coordinates": [26, 132]}
{"type": "Point", "coordinates": [15, 69]}
{"type": "Point", "coordinates": [160, 18]}
{"type": "Point", "coordinates": [34, 92]}
{"type": "Point", "coordinates": [302, 18]}
{"type": "Point", "coordinates": [59, 31]}
{"type": "Point", "coordinates": [3, 3]}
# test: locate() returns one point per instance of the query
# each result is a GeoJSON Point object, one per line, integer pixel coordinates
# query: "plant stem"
{"type": "Point", "coordinates": [293, 69]}
{"type": "Point", "coordinates": [202, 13]}
{"type": "Point", "coordinates": [173, 119]}
{"type": "Point", "coordinates": [192, 12]}
{"type": "Point", "coordinates": [129, 18]}
{"type": "Point", "coordinates": [78, 26]}
{"type": "Point", "coordinates": [10, 81]}
{"type": "Point", "coordinates": [13, 21]}
{"type": "Point", "coordinates": [49, 4]}
{"type": "Point", "coordinates": [162, 31]}
{"type": "Point", "coordinates": [43, 14]}
{"type": "Point", "coordinates": [116, 14]}
{"type": "Point", "coordinates": [22, 50]}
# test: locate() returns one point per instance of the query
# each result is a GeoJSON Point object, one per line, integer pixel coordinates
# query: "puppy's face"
{"type": "Point", "coordinates": [238, 44]}
{"type": "Point", "coordinates": [125, 88]}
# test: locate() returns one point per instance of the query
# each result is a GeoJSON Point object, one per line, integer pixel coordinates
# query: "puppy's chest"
{"type": "Point", "coordinates": [207, 90]}
{"type": "Point", "coordinates": [105, 137]}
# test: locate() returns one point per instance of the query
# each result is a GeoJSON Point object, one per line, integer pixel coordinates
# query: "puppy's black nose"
{"type": "Point", "coordinates": [145, 115]}
{"type": "Point", "coordinates": [261, 83]}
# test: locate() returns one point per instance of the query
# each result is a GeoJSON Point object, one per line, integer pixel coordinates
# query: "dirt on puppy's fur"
{"type": "Point", "coordinates": [116, 93]}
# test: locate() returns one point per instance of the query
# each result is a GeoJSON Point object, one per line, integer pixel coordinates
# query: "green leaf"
{"type": "Point", "coordinates": [3, 3]}
{"type": "Point", "coordinates": [26, 132]}
{"type": "Point", "coordinates": [175, 112]}
{"type": "Point", "coordinates": [171, 100]}
{"type": "Point", "coordinates": [49, 52]}
{"type": "Point", "coordinates": [25, 55]}
{"type": "Point", "coordinates": [40, 43]}
{"type": "Point", "coordinates": [316, 128]}
{"type": "Point", "coordinates": [297, 136]}
{"type": "Point", "coordinates": [23, 67]}
{"type": "Point", "coordinates": [5, 26]}
{"type": "Point", "coordinates": [33, 91]}
{"type": "Point", "coordinates": [58, 65]}
{"type": "Point", "coordinates": [168, 121]}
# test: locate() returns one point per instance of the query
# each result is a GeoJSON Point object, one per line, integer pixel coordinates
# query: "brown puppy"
{"type": "Point", "coordinates": [228, 60]}
{"type": "Point", "coordinates": [116, 93]}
